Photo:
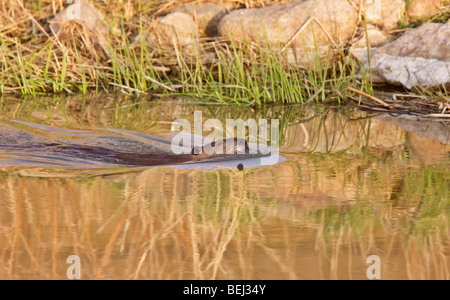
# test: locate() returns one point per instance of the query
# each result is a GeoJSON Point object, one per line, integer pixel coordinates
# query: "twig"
{"type": "Point", "coordinates": [159, 83]}
{"type": "Point", "coordinates": [438, 115]}
{"type": "Point", "coordinates": [370, 97]}
{"type": "Point", "coordinates": [34, 20]}
{"type": "Point", "coordinates": [394, 96]}
{"type": "Point", "coordinates": [444, 98]}
{"type": "Point", "coordinates": [326, 32]}
{"type": "Point", "coordinates": [127, 87]}
{"type": "Point", "coordinates": [295, 35]}
{"type": "Point", "coordinates": [303, 27]}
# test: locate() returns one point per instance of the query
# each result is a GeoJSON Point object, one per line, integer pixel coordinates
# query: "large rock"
{"type": "Point", "coordinates": [420, 57]}
{"type": "Point", "coordinates": [207, 15]}
{"type": "Point", "coordinates": [279, 25]}
{"type": "Point", "coordinates": [421, 9]}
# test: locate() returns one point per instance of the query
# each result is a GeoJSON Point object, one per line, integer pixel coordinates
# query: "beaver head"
{"type": "Point", "coordinates": [221, 148]}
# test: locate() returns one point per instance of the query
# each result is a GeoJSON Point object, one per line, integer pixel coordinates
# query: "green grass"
{"type": "Point", "coordinates": [239, 73]}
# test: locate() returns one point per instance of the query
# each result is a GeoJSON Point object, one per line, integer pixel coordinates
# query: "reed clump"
{"type": "Point", "coordinates": [35, 60]}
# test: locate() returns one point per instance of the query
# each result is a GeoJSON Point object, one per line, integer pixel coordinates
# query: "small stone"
{"type": "Point", "coordinates": [376, 37]}
{"type": "Point", "coordinates": [422, 9]}
{"type": "Point", "coordinates": [385, 14]}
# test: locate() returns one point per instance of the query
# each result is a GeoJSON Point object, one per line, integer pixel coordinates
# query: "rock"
{"type": "Point", "coordinates": [385, 14]}
{"type": "Point", "coordinates": [183, 27]}
{"type": "Point", "coordinates": [428, 140]}
{"type": "Point", "coordinates": [279, 26]}
{"type": "Point", "coordinates": [384, 135]}
{"type": "Point", "coordinates": [427, 150]}
{"type": "Point", "coordinates": [422, 9]}
{"type": "Point", "coordinates": [81, 12]}
{"type": "Point", "coordinates": [86, 15]}
{"type": "Point", "coordinates": [173, 29]}
{"type": "Point", "coordinates": [330, 135]}
{"type": "Point", "coordinates": [420, 57]}
{"type": "Point", "coordinates": [207, 15]}
{"type": "Point", "coordinates": [359, 51]}
{"type": "Point", "coordinates": [362, 56]}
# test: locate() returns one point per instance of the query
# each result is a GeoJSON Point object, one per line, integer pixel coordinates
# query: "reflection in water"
{"type": "Point", "coordinates": [351, 186]}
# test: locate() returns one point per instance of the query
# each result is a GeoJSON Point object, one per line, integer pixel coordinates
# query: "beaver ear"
{"type": "Point", "coordinates": [247, 148]}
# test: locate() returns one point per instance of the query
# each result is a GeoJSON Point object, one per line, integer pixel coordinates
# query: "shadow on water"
{"type": "Point", "coordinates": [352, 185]}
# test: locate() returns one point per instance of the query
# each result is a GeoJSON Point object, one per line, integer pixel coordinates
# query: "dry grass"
{"type": "Point", "coordinates": [34, 59]}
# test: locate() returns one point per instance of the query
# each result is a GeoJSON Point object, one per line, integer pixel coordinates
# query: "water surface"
{"type": "Point", "coordinates": [352, 185]}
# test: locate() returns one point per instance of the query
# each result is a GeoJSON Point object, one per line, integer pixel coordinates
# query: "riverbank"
{"type": "Point", "coordinates": [195, 49]}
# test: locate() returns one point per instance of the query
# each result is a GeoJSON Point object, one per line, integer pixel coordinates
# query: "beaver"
{"type": "Point", "coordinates": [237, 148]}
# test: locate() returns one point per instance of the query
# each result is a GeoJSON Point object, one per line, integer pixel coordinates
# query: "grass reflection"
{"type": "Point", "coordinates": [351, 187]}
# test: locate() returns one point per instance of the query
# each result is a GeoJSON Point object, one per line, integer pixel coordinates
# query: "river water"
{"type": "Point", "coordinates": [350, 185]}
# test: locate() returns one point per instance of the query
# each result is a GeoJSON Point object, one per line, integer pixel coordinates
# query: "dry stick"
{"type": "Point", "coordinates": [444, 98]}
{"type": "Point", "coordinates": [354, 5]}
{"type": "Point", "coordinates": [159, 83]}
{"type": "Point", "coordinates": [127, 88]}
{"type": "Point", "coordinates": [370, 97]}
{"type": "Point", "coordinates": [304, 26]}
{"type": "Point", "coordinates": [295, 35]}
{"type": "Point", "coordinates": [13, 25]}
{"type": "Point", "coordinates": [394, 96]}
{"type": "Point", "coordinates": [326, 32]}
{"type": "Point", "coordinates": [438, 115]}
{"type": "Point", "coordinates": [34, 20]}
{"type": "Point", "coordinates": [60, 46]}
{"type": "Point", "coordinates": [358, 9]}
